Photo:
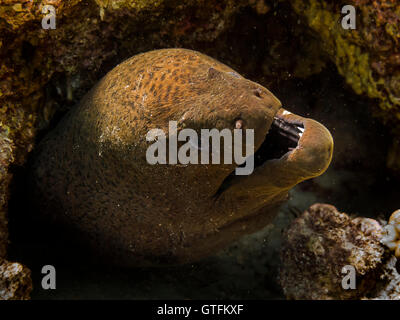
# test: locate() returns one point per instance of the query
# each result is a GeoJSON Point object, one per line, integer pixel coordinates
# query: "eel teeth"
{"type": "Point", "coordinates": [289, 130]}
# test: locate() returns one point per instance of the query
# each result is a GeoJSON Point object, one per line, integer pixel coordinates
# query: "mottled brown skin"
{"type": "Point", "coordinates": [91, 172]}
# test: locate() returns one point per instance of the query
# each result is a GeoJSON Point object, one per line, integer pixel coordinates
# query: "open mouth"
{"type": "Point", "coordinates": [282, 137]}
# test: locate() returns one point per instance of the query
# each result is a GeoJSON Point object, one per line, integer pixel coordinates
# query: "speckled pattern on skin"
{"type": "Point", "coordinates": [90, 173]}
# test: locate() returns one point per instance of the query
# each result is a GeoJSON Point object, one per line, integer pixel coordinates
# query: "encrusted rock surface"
{"type": "Point", "coordinates": [318, 245]}
{"type": "Point", "coordinates": [321, 242]}
{"type": "Point", "coordinates": [388, 287]}
{"type": "Point", "coordinates": [15, 281]}
{"type": "Point", "coordinates": [6, 157]}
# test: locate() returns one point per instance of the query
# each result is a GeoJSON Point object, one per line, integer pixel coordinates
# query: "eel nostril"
{"type": "Point", "coordinates": [257, 93]}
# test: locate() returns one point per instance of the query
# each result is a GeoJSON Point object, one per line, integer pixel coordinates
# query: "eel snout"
{"type": "Point", "coordinates": [296, 148]}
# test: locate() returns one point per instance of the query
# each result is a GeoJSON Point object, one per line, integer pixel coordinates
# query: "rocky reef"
{"type": "Point", "coordinates": [15, 281]}
{"type": "Point", "coordinates": [368, 57]}
{"type": "Point", "coordinates": [45, 72]}
{"type": "Point", "coordinates": [323, 241]}
{"type": "Point", "coordinates": [392, 237]}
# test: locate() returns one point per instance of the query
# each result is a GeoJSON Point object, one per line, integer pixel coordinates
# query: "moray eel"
{"type": "Point", "coordinates": [90, 173]}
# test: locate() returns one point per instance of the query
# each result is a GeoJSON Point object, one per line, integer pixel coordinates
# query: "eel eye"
{"type": "Point", "coordinates": [257, 93]}
{"type": "Point", "coordinates": [239, 124]}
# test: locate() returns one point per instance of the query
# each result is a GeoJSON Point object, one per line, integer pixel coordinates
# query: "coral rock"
{"type": "Point", "coordinates": [319, 244]}
{"type": "Point", "coordinates": [15, 281]}
{"type": "Point", "coordinates": [392, 236]}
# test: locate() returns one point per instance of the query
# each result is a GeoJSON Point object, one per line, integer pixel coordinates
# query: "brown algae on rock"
{"type": "Point", "coordinates": [91, 173]}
